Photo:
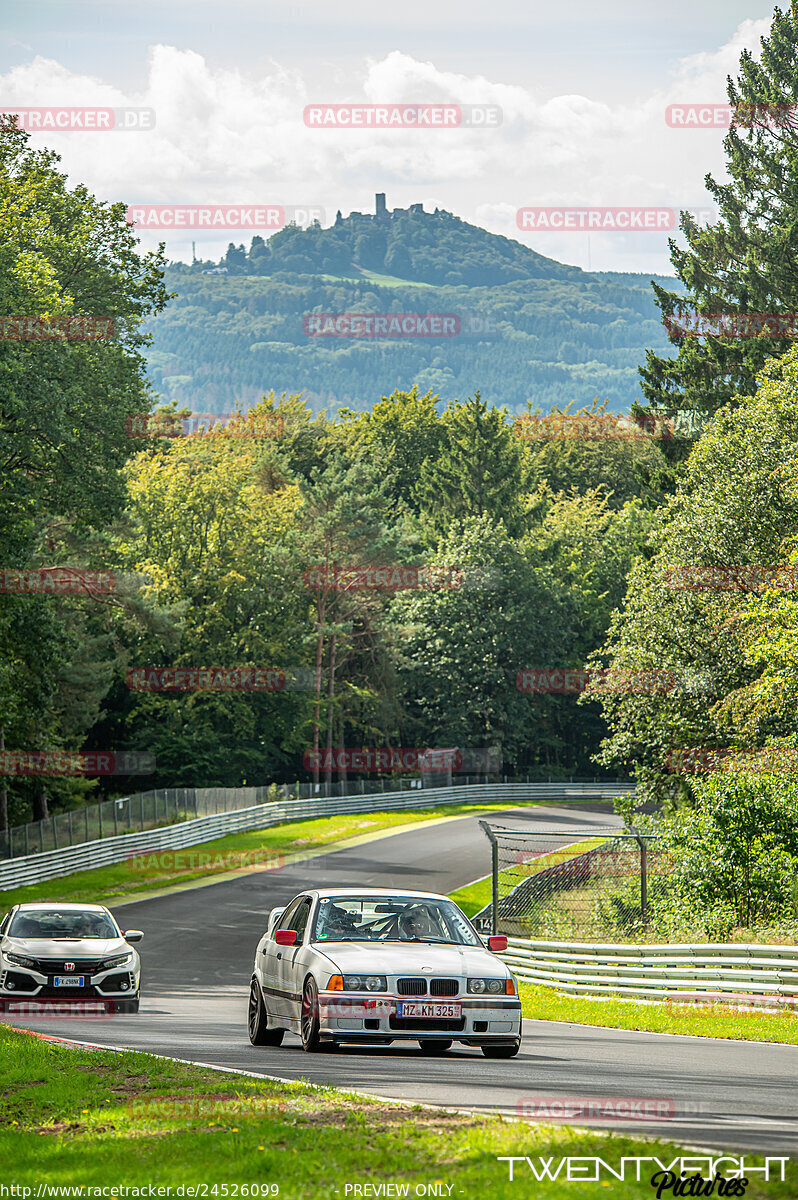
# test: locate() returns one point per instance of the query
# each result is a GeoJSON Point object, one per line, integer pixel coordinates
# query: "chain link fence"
{"type": "Point", "coordinates": [168, 806]}
{"type": "Point", "coordinates": [590, 884]}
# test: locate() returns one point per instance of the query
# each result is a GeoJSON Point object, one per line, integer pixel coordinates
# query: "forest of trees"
{"type": "Point", "coordinates": [564, 536]}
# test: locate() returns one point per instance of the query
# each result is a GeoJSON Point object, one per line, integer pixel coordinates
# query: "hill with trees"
{"type": "Point", "coordinates": [531, 330]}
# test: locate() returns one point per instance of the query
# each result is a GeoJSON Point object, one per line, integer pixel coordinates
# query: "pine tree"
{"type": "Point", "coordinates": [478, 471]}
{"type": "Point", "coordinates": [748, 261]}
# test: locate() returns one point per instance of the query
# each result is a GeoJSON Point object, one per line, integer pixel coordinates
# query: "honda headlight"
{"type": "Point", "coordinates": [365, 983]}
{"type": "Point", "coordinates": [121, 960]}
{"type": "Point", "coordinates": [21, 960]}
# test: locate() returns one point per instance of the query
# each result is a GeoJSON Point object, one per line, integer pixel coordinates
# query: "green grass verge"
{"type": "Point", "coordinates": [714, 1021]}
{"type": "Point", "coordinates": [258, 847]}
{"type": "Point", "coordinates": [99, 1118]}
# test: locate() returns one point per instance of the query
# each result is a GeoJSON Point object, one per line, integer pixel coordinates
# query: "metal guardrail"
{"type": "Point", "coordinates": [36, 868]}
{"type": "Point", "coordinates": [167, 806]}
{"type": "Point", "coordinates": [668, 971]}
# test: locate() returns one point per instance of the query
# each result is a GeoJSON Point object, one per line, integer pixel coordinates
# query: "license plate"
{"type": "Point", "coordinates": [435, 1012]}
{"type": "Point", "coordinates": [68, 981]}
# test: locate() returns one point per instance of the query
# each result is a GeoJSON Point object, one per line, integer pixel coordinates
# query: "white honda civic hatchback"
{"type": "Point", "coordinates": [68, 952]}
{"type": "Point", "coordinates": [377, 966]}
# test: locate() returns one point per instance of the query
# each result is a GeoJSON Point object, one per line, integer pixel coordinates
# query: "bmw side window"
{"type": "Point", "coordinates": [286, 919]}
{"type": "Point", "coordinates": [300, 919]}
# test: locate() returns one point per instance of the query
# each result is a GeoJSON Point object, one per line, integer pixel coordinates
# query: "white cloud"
{"type": "Point", "coordinates": [227, 136]}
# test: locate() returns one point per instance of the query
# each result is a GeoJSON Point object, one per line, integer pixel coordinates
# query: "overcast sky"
{"type": "Point", "coordinates": [583, 89]}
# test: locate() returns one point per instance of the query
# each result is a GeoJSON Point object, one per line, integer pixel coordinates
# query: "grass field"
{"type": "Point", "coordinates": [257, 849]}
{"type": "Point", "coordinates": [107, 1119]}
{"type": "Point", "coordinates": [715, 1020]}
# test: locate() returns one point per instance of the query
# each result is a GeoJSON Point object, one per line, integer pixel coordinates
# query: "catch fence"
{"type": "Point", "coordinates": [586, 883]}
{"type": "Point", "coordinates": [170, 806]}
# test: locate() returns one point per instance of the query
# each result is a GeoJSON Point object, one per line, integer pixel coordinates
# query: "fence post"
{"type": "Point", "coordinates": [643, 875]}
{"type": "Point", "coordinates": [116, 817]}
{"type": "Point", "coordinates": [100, 819]}
{"type": "Point", "coordinates": [494, 864]}
{"type": "Point", "coordinates": [55, 835]}
{"type": "Point", "coordinates": [69, 823]}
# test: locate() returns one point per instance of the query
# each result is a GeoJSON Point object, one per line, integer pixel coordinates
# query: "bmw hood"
{"type": "Point", "coordinates": [402, 958]}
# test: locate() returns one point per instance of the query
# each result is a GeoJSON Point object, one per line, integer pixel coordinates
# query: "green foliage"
{"type": "Point", "coordinates": [748, 261]}
{"type": "Point", "coordinates": [730, 647]}
{"type": "Point", "coordinates": [62, 442]}
{"type": "Point", "coordinates": [734, 857]}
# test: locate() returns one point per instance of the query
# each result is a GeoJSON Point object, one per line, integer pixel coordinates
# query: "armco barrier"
{"type": "Point", "coordinates": [741, 972]}
{"type": "Point", "coordinates": [36, 868]}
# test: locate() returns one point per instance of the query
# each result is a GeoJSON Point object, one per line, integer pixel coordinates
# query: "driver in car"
{"type": "Point", "coordinates": [338, 923]}
{"type": "Point", "coordinates": [82, 926]}
{"type": "Point", "coordinates": [416, 922]}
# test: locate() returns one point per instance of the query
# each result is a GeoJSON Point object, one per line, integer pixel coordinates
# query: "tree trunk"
{"type": "Point", "coordinates": [40, 809]}
{"type": "Point", "coordinates": [330, 706]}
{"type": "Point", "coordinates": [320, 615]}
{"type": "Point", "coordinates": [3, 790]}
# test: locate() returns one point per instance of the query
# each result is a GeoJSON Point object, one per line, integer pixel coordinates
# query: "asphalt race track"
{"type": "Point", "coordinates": [197, 960]}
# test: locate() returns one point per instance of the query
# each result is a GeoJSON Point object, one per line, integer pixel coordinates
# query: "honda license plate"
{"type": "Point", "coordinates": [68, 981]}
{"type": "Point", "coordinates": [435, 1012]}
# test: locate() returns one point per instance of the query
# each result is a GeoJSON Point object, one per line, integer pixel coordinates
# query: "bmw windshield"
{"type": "Point", "coordinates": [391, 919]}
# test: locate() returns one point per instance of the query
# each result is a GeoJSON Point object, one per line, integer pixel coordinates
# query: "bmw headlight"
{"type": "Point", "coordinates": [494, 987]}
{"type": "Point", "coordinates": [365, 983]}
{"type": "Point", "coordinates": [21, 960]}
{"type": "Point", "coordinates": [121, 960]}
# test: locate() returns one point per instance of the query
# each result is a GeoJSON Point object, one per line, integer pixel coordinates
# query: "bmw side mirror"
{"type": "Point", "coordinates": [285, 937]}
{"type": "Point", "coordinates": [132, 935]}
{"type": "Point", "coordinates": [497, 942]}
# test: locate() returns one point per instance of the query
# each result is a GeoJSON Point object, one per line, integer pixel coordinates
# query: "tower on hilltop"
{"type": "Point", "coordinates": [382, 211]}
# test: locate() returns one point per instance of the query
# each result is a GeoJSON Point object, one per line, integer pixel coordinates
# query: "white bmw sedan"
{"type": "Point", "coordinates": [377, 966]}
{"type": "Point", "coordinates": [68, 952]}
